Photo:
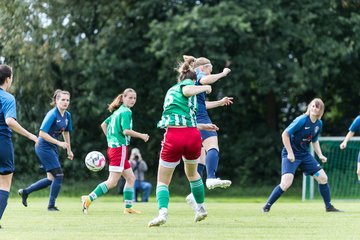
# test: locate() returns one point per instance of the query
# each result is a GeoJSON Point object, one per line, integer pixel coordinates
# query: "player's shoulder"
{"type": "Point", "coordinates": [7, 96]}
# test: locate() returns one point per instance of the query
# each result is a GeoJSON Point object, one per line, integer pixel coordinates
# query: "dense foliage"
{"type": "Point", "coordinates": [282, 54]}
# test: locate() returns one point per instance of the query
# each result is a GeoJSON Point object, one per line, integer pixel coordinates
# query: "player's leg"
{"type": "Point", "coordinates": [210, 143]}
{"type": "Point", "coordinates": [201, 163]}
{"type": "Point", "coordinates": [165, 173]}
{"type": "Point", "coordinates": [5, 183]}
{"type": "Point", "coordinates": [286, 182]}
{"type": "Point", "coordinates": [36, 186]}
{"type": "Point", "coordinates": [287, 176]}
{"type": "Point", "coordinates": [311, 167]}
{"type": "Point", "coordinates": [197, 190]}
{"type": "Point", "coordinates": [324, 189]}
{"type": "Point", "coordinates": [6, 172]}
{"type": "Point", "coordinates": [129, 189]}
{"type": "Point", "coordinates": [49, 160]}
{"type": "Point", "coordinates": [55, 187]}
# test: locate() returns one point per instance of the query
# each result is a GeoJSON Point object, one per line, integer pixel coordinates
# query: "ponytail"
{"type": "Point", "coordinates": [185, 69]}
{"type": "Point", "coordinates": [117, 102]}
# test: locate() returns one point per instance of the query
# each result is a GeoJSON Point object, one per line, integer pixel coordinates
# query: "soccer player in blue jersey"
{"type": "Point", "coordinates": [56, 122]}
{"type": "Point", "coordinates": [203, 69]}
{"type": "Point", "coordinates": [296, 138]}
{"type": "Point", "coordinates": [355, 126]}
{"type": "Point", "coordinates": [8, 124]}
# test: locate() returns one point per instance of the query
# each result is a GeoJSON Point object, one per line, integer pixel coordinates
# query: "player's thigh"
{"type": "Point", "coordinates": [165, 174]}
{"type": "Point", "coordinates": [5, 182]}
{"type": "Point", "coordinates": [211, 142]}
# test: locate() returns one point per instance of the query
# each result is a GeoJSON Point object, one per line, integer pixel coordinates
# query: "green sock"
{"type": "Point", "coordinates": [162, 196]}
{"type": "Point", "coordinates": [197, 189]}
{"type": "Point", "coordinates": [100, 190]}
{"type": "Point", "coordinates": [128, 195]}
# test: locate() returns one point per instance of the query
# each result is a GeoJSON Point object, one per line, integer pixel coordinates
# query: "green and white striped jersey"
{"type": "Point", "coordinates": [117, 122]}
{"type": "Point", "coordinates": [178, 109]}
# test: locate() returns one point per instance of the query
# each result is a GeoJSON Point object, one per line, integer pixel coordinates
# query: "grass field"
{"type": "Point", "coordinates": [228, 219]}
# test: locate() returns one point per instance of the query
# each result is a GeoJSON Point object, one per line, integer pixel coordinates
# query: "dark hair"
{"type": "Point", "coordinates": [57, 94]}
{"type": "Point", "coordinates": [116, 103]}
{"type": "Point", "coordinates": [5, 72]}
{"type": "Point", "coordinates": [186, 70]}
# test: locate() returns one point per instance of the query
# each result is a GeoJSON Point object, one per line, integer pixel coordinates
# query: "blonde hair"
{"type": "Point", "coordinates": [318, 103]}
{"type": "Point", "coordinates": [57, 95]}
{"type": "Point", "coordinates": [197, 62]}
{"type": "Point", "coordinates": [116, 103]}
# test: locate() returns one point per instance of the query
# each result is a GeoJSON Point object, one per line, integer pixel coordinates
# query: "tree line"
{"type": "Point", "coordinates": [282, 54]}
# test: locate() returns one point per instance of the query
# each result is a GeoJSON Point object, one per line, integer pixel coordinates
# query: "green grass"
{"type": "Point", "coordinates": [228, 219]}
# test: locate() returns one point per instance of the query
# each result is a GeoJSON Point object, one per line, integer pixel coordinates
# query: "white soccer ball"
{"type": "Point", "coordinates": [95, 161]}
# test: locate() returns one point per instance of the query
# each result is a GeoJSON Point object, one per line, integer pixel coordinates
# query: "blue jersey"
{"type": "Point", "coordinates": [302, 131]}
{"type": "Point", "coordinates": [54, 124]}
{"type": "Point", "coordinates": [201, 115]}
{"type": "Point", "coordinates": [355, 126]}
{"type": "Point", "coordinates": [7, 110]}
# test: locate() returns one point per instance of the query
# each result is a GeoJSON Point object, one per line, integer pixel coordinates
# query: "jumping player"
{"type": "Point", "coordinates": [118, 130]}
{"type": "Point", "coordinates": [182, 140]}
{"type": "Point", "coordinates": [296, 139]}
{"type": "Point", "coordinates": [56, 122]}
{"type": "Point", "coordinates": [210, 156]}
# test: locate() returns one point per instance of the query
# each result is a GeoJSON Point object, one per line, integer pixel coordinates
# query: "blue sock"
{"type": "Point", "coordinates": [4, 196]}
{"type": "Point", "coordinates": [55, 189]}
{"type": "Point", "coordinates": [324, 190]}
{"type": "Point", "coordinates": [212, 161]}
{"type": "Point", "coordinates": [42, 183]}
{"type": "Point", "coordinates": [200, 169]}
{"type": "Point", "coordinates": [274, 196]}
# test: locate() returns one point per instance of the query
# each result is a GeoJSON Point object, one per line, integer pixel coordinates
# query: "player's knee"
{"type": "Point", "coordinates": [285, 185]}
{"type": "Point", "coordinates": [321, 177]}
{"type": "Point", "coordinates": [358, 172]}
{"type": "Point", "coordinates": [57, 173]}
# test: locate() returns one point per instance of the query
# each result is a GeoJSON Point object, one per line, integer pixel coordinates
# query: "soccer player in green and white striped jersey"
{"type": "Point", "coordinates": [118, 131]}
{"type": "Point", "coordinates": [181, 140]}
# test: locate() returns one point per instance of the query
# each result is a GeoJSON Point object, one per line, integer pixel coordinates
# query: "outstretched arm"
{"type": "Point", "coordinates": [210, 79]}
{"type": "Point", "coordinates": [225, 101]}
{"type": "Point", "coordinates": [192, 90]}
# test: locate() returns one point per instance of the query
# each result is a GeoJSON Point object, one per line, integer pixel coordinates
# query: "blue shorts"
{"type": "Point", "coordinates": [205, 134]}
{"type": "Point", "coordinates": [359, 158]}
{"type": "Point", "coordinates": [306, 162]}
{"type": "Point", "coordinates": [48, 156]}
{"type": "Point", "coordinates": [7, 165]}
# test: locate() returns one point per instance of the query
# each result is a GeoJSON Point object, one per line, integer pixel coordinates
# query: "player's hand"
{"type": "Point", "coordinates": [291, 157]}
{"type": "Point", "coordinates": [208, 89]}
{"type": "Point", "coordinates": [323, 158]}
{"type": "Point", "coordinates": [70, 155]}
{"type": "Point", "coordinates": [343, 145]}
{"type": "Point", "coordinates": [33, 137]}
{"type": "Point", "coordinates": [63, 145]}
{"type": "Point", "coordinates": [145, 137]}
{"type": "Point", "coordinates": [226, 71]}
{"type": "Point", "coordinates": [226, 101]}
